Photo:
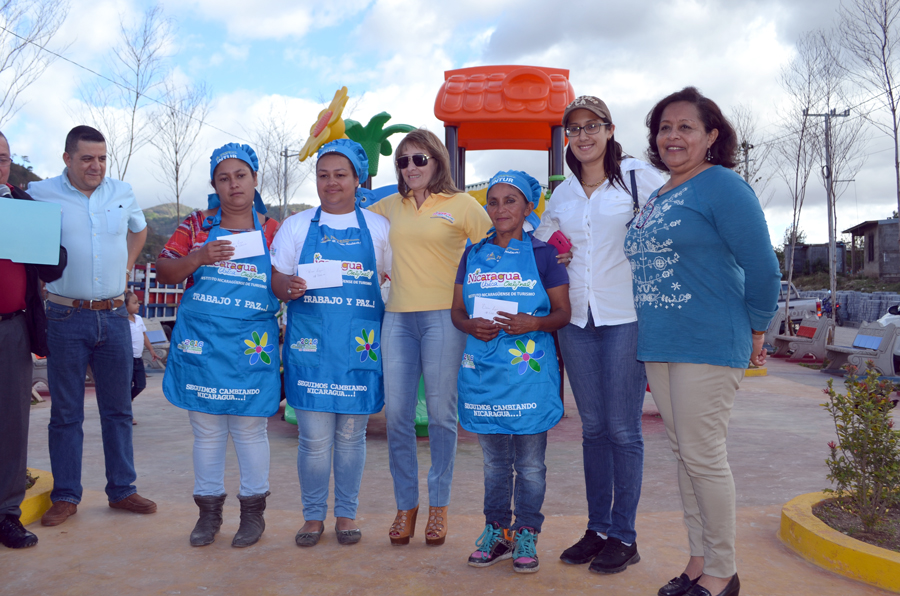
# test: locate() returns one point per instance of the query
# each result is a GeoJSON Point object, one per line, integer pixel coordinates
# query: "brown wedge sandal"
{"type": "Point", "coordinates": [404, 526]}
{"type": "Point", "coordinates": [436, 530]}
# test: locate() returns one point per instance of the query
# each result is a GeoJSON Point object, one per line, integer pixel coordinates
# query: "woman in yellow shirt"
{"type": "Point", "coordinates": [430, 223]}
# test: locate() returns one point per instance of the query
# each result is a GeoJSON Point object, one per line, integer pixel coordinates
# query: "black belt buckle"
{"type": "Point", "coordinates": [10, 315]}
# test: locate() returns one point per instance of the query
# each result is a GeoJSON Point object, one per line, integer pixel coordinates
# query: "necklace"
{"type": "Point", "coordinates": [586, 185]}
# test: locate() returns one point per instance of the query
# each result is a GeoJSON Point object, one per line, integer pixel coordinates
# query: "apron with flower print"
{"type": "Point", "coordinates": [509, 385]}
{"type": "Point", "coordinates": [332, 343]}
{"type": "Point", "coordinates": [224, 357]}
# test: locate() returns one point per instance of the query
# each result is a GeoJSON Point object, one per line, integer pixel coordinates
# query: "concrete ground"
{"type": "Point", "coordinates": [777, 450]}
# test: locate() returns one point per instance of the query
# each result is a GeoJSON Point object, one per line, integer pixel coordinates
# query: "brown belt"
{"type": "Point", "coordinates": [107, 304]}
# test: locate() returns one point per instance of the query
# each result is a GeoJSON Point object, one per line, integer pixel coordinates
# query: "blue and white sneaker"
{"type": "Point", "coordinates": [525, 559]}
{"type": "Point", "coordinates": [494, 544]}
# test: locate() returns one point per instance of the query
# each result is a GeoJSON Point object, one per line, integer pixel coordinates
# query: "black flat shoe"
{"type": "Point", "coordinates": [348, 536]}
{"type": "Point", "coordinates": [308, 538]}
{"type": "Point", "coordinates": [678, 586]}
{"type": "Point", "coordinates": [732, 589]}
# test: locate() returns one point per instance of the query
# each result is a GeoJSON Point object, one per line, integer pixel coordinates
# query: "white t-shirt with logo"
{"type": "Point", "coordinates": [288, 242]}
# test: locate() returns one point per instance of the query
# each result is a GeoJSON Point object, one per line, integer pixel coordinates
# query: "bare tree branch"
{"type": "Point", "coordinates": [870, 31]}
{"type": "Point", "coordinates": [137, 68]}
{"type": "Point", "coordinates": [797, 153]}
{"type": "Point", "coordinates": [272, 135]}
{"type": "Point", "coordinates": [176, 127]}
{"type": "Point", "coordinates": [752, 154]}
{"type": "Point", "coordinates": [28, 25]}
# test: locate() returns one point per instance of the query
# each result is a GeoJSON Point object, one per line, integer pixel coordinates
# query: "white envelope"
{"type": "Point", "coordinates": [487, 308]}
{"type": "Point", "coordinates": [324, 274]}
{"type": "Point", "coordinates": [246, 244]}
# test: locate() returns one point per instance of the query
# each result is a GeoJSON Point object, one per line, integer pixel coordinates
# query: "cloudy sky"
{"type": "Point", "coordinates": [293, 55]}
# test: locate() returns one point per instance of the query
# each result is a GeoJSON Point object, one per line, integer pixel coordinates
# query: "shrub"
{"type": "Point", "coordinates": [865, 462]}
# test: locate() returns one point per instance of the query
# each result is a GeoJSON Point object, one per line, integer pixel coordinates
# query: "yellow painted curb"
{"type": "Point", "coordinates": [813, 540]}
{"type": "Point", "coordinates": [756, 372]}
{"type": "Point", "coordinates": [37, 498]}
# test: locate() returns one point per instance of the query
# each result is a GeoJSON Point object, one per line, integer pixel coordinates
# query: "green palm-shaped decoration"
{"type": "Point", "coordinates": [373, 137]}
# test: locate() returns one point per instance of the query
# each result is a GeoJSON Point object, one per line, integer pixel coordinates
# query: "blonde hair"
{"type": "Point", "coordinates": [441, 181]}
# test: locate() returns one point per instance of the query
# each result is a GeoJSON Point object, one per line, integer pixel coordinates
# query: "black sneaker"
{"type": "Point", "coordinates": [494, 545]}
{"type": "Point", "coordinates": [584, 550]}
{"type": "Point", "coordinates": [616, 557]}
{"type": "Point", "coordinates": [14, 535]}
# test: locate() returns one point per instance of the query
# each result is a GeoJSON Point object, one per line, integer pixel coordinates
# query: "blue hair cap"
{"type": "Point", "coordinates": [528, 185]}
{"type": "Point", "coordinates": [352, 151]}
{"type": "Point", "coordinates": [244, 153]}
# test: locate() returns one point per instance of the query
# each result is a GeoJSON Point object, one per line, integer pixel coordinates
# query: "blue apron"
{"type": "Point", "coordinates": [224, 357]}
{"type": "Point", "coordinates": [509, 385]}
{"type": "Point", "coordinates": [332, 343]}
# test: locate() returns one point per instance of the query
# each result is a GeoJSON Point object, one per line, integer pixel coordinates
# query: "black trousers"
{"type": "Point", "coordinates": [15, 409]}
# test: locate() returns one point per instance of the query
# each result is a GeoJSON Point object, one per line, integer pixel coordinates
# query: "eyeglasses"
{"type": "Point", "coordinates": [420, 159]}
{"type": "Point", "coordinates": [591, 129]}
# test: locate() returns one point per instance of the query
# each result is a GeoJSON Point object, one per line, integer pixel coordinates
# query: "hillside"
{"type": "Point", "coordinates": [20, 176]}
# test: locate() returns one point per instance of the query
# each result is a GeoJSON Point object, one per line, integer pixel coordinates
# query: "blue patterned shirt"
{"type": "Point", "coordinates": [703, 270]}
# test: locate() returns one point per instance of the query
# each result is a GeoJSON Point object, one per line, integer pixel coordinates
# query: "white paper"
{"type": "Point", "coordinates": [324, 274]}
{"type": "Point", "coordinates": [246, 244]}
{"type": "Point", "coordinates": [487, 308]}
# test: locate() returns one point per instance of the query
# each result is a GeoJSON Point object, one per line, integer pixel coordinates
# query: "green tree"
{"type": "Point", "coordinates": [373, 137]}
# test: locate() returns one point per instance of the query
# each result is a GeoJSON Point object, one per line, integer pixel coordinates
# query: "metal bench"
{"type": "Point", "coordinates": [872, 342]}
{"type": "Point", "coordinates": [810, 343]}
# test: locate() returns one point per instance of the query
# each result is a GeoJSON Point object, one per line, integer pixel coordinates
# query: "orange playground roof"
{"type": "Point", "coordinates": [504, 107]}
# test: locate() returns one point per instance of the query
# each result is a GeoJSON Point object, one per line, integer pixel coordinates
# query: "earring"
{"type": "Point", "coordinates": [708, 154]}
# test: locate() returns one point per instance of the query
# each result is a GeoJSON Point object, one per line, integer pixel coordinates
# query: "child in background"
{"type": "Point", "coordinates": [139, 340]}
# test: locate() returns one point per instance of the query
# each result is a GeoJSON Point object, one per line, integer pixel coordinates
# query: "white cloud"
{"type": "Point", "coordinates": [272, 19]}
{"type": "Point", "coordinates": [630, 54]}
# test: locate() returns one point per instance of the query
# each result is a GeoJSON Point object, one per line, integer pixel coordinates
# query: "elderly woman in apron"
{"type": "Point", "coordinates": [510, 294]}
{"type": "Point", "coordinates": [332, 341]}
{"type": "Point", "coordinates": [224, 369]}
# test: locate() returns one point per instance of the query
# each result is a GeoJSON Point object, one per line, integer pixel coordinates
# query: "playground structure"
{"type": "Point", "coordinates": [504, 107]}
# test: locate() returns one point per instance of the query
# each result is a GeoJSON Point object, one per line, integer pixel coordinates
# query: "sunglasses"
{"type": "Point", "coordinates": [420, 159]}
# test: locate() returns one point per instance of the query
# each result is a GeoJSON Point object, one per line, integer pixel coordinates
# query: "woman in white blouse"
{"type": "Point", "coordinates": [593, 208]}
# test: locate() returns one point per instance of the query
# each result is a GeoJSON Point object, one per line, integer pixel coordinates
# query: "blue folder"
{"type": "Point", "coordinates": [30, 231]}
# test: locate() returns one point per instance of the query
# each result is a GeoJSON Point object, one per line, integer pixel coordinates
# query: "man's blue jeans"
{"type": "Point", "coordinates": [609, 385]}
{"type": "Point", "coordinates": [421, 344]}
{"type": "Point", "coordinates": [525, 455]}
{"type": "Point", "coordinates": [101, 338]}
{"type": "Point", "coordinates": [327, 437]}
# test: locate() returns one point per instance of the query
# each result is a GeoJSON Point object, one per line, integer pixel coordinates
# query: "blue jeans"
{"type": "Point", "coordinates": [319, 433]}
{"type": "Point", "coordinates": [251, 443]}
{"type": "Point", "coordinates": [525, 455]}
{"type": "Point", "coordinates": [609, 384]}
{"type": "Point", "coordinates": [101, 338]}
{"type": "Point", "coordinates": [421, 344]}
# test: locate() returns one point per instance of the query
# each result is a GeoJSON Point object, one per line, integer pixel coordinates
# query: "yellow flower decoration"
{"type": "Point", "coordinates": [329, 125]}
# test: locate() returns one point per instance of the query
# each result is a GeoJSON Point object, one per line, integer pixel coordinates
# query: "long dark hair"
{"type": "Point", "coordinates": [723, 150]}
{"type": "Point", "coordinates": [611, 162]}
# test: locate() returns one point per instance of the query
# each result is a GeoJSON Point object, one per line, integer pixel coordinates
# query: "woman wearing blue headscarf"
{"type": "Point", "coordinates": [509, 378]}
{"type": "Point", "coordinates": [224, 369]}
{"type": "Point", "coordinates": [332, 343]}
